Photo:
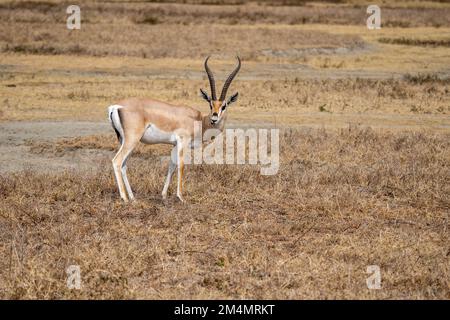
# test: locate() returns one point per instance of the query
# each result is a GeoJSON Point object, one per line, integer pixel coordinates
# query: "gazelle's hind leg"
{"type": "Point", "coordinates": [119, 165]}
{"type": "Point", "coordinates": [125, 180]}
{"type": "Point", "coordinates": [119, 177]}
{"type": "Point", "coordinates": [128, 140]}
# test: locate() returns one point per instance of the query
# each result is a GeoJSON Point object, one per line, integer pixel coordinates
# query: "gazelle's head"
{"type": "Point", "coordinates": [219, 106]}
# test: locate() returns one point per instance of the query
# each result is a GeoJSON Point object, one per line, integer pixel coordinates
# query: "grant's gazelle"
{"type": "Point", "coordinates": [152, 122]}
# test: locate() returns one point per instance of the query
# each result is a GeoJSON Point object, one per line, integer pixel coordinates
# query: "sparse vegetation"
{"type": "Point", "coordinates": [238, 12]}
{"type": "Point", "coordinates": [361, 197]}
{"type": "Point", "coordinates": [84, 94]}
{"type": "Point", "coordinates": [179, 41]}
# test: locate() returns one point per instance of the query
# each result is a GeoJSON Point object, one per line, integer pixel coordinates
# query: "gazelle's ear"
{"type": "Point", "coordinates": [233, 98]}
{"type": "Point", "coordinates": [205, 95]}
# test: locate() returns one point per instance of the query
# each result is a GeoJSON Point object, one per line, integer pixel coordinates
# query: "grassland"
{"type": "Point", "coordinates": [341, 201]}
{"type": "Point", "coordinates": [365, 127]}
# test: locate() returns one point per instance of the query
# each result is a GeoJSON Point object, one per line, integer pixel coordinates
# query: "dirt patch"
{"type": "Point", "coordinates": [15, 149]}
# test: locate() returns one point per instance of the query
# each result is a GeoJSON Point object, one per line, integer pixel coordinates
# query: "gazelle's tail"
{"type": "Point", "coordinates": [114, 118]}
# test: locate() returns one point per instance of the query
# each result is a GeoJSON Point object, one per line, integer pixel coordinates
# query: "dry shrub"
{"type": "Point", "coordinates": [417, 42]}
{"type": "Point", "coordinates": [423, 78]}
{"type": "Point", "coordinates": [44, 49]}
{"type": "Point", "coordinates": [341, 201]}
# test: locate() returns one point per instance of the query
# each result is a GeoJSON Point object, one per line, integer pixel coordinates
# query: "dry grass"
{"type": "Point", "coordinates": [155, 30]}
{"type": "Point", "coordinates": [170, 13]}
{"type": "Point", "coordinates": [340, 202]}
{"type": "Point", "coordinates": [86, 96]}
{"type": "Point", "coordinates": [178, 41]}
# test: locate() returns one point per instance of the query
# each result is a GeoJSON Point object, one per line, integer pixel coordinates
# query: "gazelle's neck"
{"type": "Point", "coordinates": [206, 123]}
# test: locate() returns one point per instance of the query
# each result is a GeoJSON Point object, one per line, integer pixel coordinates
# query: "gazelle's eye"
{"type": "Point", "coordinates": [223, 107]}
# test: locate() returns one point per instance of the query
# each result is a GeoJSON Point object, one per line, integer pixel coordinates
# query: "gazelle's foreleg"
{"type": "Point", "coordinates": [170, 171]}
{"type": "Point", "coordinates": [181, 146]}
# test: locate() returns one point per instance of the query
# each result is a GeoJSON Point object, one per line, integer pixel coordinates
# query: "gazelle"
{"type": "Point", "coordinates": [153, 122]}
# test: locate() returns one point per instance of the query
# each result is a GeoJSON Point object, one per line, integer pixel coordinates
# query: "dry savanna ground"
{"type": "Point", "coordinates": [364, 119]}
{"type": "Point", "coordinates": [341, 201]}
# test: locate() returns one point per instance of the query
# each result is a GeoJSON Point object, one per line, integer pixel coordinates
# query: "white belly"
{"type": "Point", "coordinates": [153, 135]}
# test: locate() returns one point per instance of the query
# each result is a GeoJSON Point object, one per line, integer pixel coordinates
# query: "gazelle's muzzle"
{"type": "Point", "coordinates": [214, 118]}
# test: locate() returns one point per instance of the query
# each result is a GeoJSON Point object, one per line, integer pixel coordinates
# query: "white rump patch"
{"type": "Point", "coordinates": [114, 118]}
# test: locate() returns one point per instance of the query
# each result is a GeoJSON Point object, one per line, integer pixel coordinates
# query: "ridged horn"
{"type": "Point", "coordinates": [229, 79]}
{"type": "Point", "coordinates": [212, 83]}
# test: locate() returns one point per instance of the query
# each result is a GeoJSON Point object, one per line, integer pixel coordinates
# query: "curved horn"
{"type": "Point", "coordinates": [212, 83]}
{"type": "Point", "coordinates": [229, 79]}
